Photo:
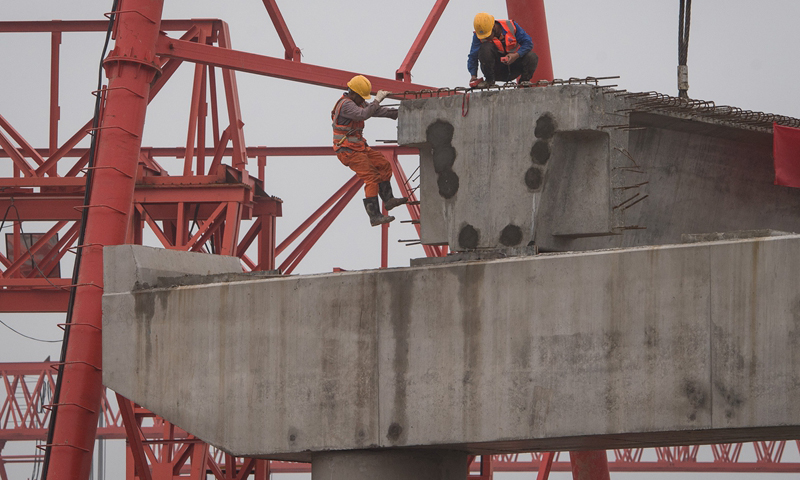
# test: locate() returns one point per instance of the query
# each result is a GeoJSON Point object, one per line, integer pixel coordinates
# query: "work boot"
{"type": "Point", "coordinates": [385, 190]}
{"type": "Point", "coordinates": [485, 84]}
{"type": "Point", "coordinates": [374, 211]}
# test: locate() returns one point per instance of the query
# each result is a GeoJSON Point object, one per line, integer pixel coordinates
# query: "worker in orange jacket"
{"type": "Point", "coordinates": [351, 148]}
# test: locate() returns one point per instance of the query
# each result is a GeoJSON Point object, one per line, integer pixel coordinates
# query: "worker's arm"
{"type": "Point", "coordinates": [351, 111]}
{"type": "Point", "coordinates": [523, 40]}
{"type": "Point", "coordinates": [386, 112]}
{"type": "Point", "coordinates": [472, 58]}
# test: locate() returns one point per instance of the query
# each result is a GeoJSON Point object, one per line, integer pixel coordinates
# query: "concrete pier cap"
{"type": "Point", "coordinates": [580, 167]}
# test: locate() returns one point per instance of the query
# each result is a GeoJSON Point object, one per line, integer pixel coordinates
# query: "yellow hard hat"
{"type": "Point", "coordinates": [361, 86]}
{"type": "Point", "coordinates": [484, 24]}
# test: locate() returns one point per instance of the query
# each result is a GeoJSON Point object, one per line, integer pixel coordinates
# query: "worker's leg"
{"type": "Point", "coordinates": [382, 166]}
{"type": "Point", "coordinates": [491, 66]}
{"type": "Point", "coordinates": [385, 186]}
{"type": "Point", "coordinates": [525, 66]}
{"type": "Point", "coordinates": [364, 167]}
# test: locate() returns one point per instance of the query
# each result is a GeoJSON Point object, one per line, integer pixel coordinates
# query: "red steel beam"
{"type": "Point", "coordinates": [49, 26]}
{"type": "Point", "coordinates": [135, 438]}
{"type": "Point", "coordinates": [37, 207]}
{"type": "Point", "coordinates": [271, 66]}
{"type": "Point", "coordinates": [252, 152]}
{"type": "Point", "coordinates": [55, 110]}
{"type": "Point", "coordinates": [19, 161]}
{"type": "Point", "coordinates": [348, 185]}
{"type": "Point", "coordinates": [404, 72]}
{"type": "Point", "coordinates": [238, 156]}
{"type": "Point", "coordinates": [34, 301]}
{"type": "Point", "coordinates": [24, 145]}
{"type": "Point", "coordinates": [294, 258]}
{"type": "Point", "coordinates": [130, 68]}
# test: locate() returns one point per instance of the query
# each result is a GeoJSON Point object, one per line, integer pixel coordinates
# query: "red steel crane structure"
{"type": "Point", "coordinates": [114, 191]}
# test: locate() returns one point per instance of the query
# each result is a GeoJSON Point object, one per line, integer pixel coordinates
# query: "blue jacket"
{"type": "Point", "coordinates": [523, 39]}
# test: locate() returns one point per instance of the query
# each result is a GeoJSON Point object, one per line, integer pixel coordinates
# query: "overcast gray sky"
{"type": "Point", "coordinates": [741, 53]}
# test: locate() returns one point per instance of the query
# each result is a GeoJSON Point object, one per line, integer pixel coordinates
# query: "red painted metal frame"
{"type": "Point", "coordinates": [154, 192]}
{"type": "Point", "coordinates": [26, 387]}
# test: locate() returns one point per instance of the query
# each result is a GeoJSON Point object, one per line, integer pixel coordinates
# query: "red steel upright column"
{"type": "Point", "coordinates": [530, 15]}
{"type": "Point", "coordinates": [589, 465]}
{"type": "Point", "coordinates": [130, 68]}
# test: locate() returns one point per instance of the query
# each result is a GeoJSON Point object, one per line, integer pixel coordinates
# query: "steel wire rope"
{"type": "Point", "coordinates": [81, 236]}
{"type": "Point", "coordinates": [27, 336]}
{"type": "Point", "coordinates": [684, 23]}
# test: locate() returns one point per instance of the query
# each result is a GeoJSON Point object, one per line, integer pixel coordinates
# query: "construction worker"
{"type": "Point", "coordinates": [503, 50]}
{"type": "Point", "coordinates": [351, 148]}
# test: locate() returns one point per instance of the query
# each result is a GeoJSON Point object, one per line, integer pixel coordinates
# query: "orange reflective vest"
{"type": "Point", "coordinates": [347, 136]}
{"type": "Point", "coordinates": [510, 31]}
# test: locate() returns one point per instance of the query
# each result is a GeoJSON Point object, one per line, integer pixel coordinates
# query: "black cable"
{"type": "Point", "coordinates": [79, 254]}
{"type": "Point", "coordinates": [28, 336]}
{"type": "Point", "coordinates": [684, 24]}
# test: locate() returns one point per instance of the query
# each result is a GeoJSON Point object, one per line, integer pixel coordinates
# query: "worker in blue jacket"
{"type": "Point", "coordinates": [504, 51]}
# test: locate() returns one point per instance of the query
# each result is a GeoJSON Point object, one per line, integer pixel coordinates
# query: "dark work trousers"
{"type": "Point", "coordinates": [493, 69]}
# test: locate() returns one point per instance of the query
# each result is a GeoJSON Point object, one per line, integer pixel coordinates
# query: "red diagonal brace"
{"type": "Point", "coordinates": [292, 52]}
{"type": "Point", "coordinates": [404, 72]}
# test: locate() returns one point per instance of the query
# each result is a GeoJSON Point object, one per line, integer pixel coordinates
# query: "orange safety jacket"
{"type": "Point", "coordinates": [347, 136]}
{"type": "Point", "coordinates": [510, 30]}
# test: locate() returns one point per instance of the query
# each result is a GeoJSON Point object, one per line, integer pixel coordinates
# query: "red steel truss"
{"type": "Point", "coordinates": [27, 388]}
{"type": "Point", "coordinates": [202, 208]}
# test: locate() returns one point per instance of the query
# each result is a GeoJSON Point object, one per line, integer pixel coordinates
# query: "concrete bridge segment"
{"type": "Point", "coordinates": [648, 346]}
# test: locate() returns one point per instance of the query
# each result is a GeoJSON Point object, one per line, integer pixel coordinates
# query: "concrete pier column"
{"type": "Point", "coordinates": [406, 464]}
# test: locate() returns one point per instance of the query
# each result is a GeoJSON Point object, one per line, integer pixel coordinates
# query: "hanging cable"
{"type": "Point", "coordinates": [27, 336]}
{"type": "Point", "coordinates": [684, 22]}
{"type": "Point", "coordinates": [79, 254]}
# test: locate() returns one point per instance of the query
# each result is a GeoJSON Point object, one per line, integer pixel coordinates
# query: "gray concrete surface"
{"type": "Point", "coordinates": [573, 168]}
{"type": "Point", "coordinates": [129, 267]}
{"type": "Point", "coordinates": [664, 345]}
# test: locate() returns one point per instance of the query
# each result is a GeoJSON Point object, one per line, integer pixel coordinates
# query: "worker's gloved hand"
{"type": "Point", "coordinates": [381, 95]}
{"type": "Point", "coordinates": [393, 114]}
{"type": "Point", "coordinates": [510, 58]}
{"type": "Point", "coordinates": [474, 81]}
